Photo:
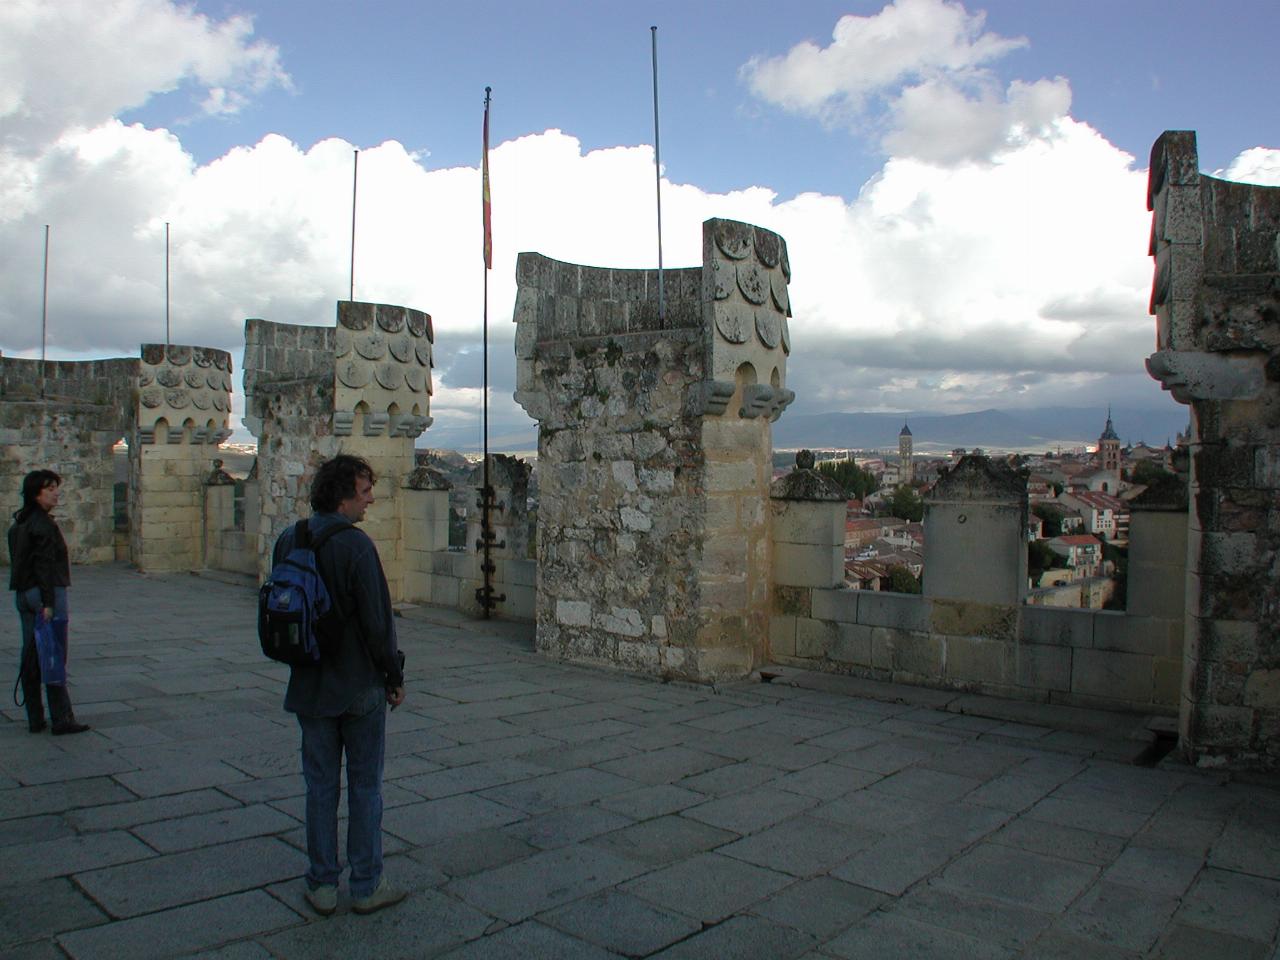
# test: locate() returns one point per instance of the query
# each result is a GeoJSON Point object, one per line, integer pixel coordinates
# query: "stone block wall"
{"type": "Point", "coordinates": [1216, 300]}
{"type": "Point", "coordinates": [654, 448]}
{"type": "Point", "coordinates": [66, 416]}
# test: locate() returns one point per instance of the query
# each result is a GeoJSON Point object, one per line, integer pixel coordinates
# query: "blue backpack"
{"type": "Point", "coordinates": [298, 621]}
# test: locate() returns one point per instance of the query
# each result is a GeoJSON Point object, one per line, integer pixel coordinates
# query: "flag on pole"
{"type": "Point", "coordinates": [484, 178]}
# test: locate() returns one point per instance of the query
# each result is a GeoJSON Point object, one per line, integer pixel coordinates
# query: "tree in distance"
{"type": "Point", "coordinates": [856, 482]}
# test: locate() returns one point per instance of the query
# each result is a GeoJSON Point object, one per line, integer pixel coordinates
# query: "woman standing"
{"type": "Point", "coordinates": [40, 573]}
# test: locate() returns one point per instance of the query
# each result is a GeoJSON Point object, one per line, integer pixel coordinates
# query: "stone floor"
{"type": "Point", "coordinates": [542, 810]}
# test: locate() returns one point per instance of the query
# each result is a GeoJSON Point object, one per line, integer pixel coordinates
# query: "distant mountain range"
{"type": "Point", "coordinates": [1043, 428]}
{"type": "Point", "coordinates": [1040, 429]}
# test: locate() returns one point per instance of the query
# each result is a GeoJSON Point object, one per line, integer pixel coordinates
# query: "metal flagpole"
{"type": "Point", "coordinates": [355, 177]}
{"type": "Point", "coordinates": [167, 339]}
{"type": "Point", "coordinates": [484, 594]}
{"type": "Point", "coordinates": [657, 170]}
{"type": "Point", "coordinates": [44, 310]}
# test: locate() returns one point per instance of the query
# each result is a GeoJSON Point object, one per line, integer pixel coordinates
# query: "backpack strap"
{"type": "Point", "coordinates": [302, 535]}
{"type": "Point", "coordinates": [323, 538]}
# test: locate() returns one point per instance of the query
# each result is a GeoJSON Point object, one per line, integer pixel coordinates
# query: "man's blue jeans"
{"type": "Point", "coordinates": [361, 734]}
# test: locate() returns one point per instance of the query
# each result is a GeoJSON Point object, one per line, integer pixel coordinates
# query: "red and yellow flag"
{"type": "Point", "coordinates": [484, 180]}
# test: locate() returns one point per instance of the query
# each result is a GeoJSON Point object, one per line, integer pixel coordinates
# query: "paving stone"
{"type": "Point", "coordinates": [708, 886]}
{"type": "Point", "coordinates": [244, 950]}
{"type": "Point", "coordinates": [1058, 943]}
{"type": "Point", "coordinates": [203, 829]}
{"type": "Point", "coordinates": [1010, 792]}
{"type": "Point", "coordinates": [793, 756]}
{"type": "Point", "coordinates": [922, 784]}
{"type": "Point", "coordinates": [751, 810]}
{"type": "Point", "coordinates": [434, 820]}
{"type": "Point", "coordinates": [568, 825]}
{"type": "Point", "coordinates": [1124, 916]}
{"type": "Point", "coordinates": [1181, 942]}
{"type": "Point", "coordinates": [1016, 876]}
{"type": "Point", "coordinates": [56, 798]}
{"type": "Point", "coordinates": [802, 846]}
{"type": "Point", "coordinates": [730, 778]}
{"type": "Point", "coordinates": [1004, 924]}
{"type": "Point", "coordinates": [826, 781]}
{"type": "Point", "coordinates": [470, 853]}
{"type": "Point", "coordinates": [532, 748]}
{"type": "Point", "coordinates": [527, 941]}
{"type": "Point", "coordinates": [663, 839]}
{"type": "Point", "coordinates": [743, 938]}
{"type": "Point", "coordinates": [1232, 903]}
{"type": "Point", "coordinates": [180, 777]}
{"type": "Point", "coordinates": [732, 719]}
{"type": "Point", "coordinates": [568, 788]}
{"type": "Point", "coordinates": [1247, 848]}
{"type": "Point", "coordinates": [622, 923]}
{"type": "Point", "coordinates": [645, 803]}
{"type": "Point", "coordinates": [183, 930]}
{"type": "Point", "coordinates": [546, 880]}
{"type": "Point", "coordinates": [424, 924]}
{"type": "Point", "coordinates": [1083, 792]}
{"type": "Point", "coordinates": [38, 910]}
{"type": "Point", "coordinates": [663, 765]}
{"type": "Point", "coordinates": [821, 907]}
{"type": "Point", "coordinates": [963, 822]}
{"type": "Point", "coordinates": [1103, 818]}
{"type": "Point", "coordinates": [182, 878]}
{"type": "Point", "coordinates": [1049, 767]}
{"type": "Point", "coordinates": [1156, 871]}
{"type": "Point", "coordinates": [898, 862]}
{"type": "Point", "coordinates": [261, 790]}
{"type": "Point", "coordinates": [880, 811]}
{"type": "Point", "coordinates": [79, 766]}
{"type": "Point", "coordinates": [874, 750]}
{"type": "Point", "coordinates": [884, 935]}
{"type": "Point", "coordinates": [1175, 832]}
{"type": "Point", "coordinates": [977, 760]}
{"type": "Point", "coordinates": [1052, 839]}
{"type": "Point", "coordinates": [471, 778]}
{"type": "Point", "coordinates": [34, 829]}
{"type": "Point", "coordinates": [28, 862]}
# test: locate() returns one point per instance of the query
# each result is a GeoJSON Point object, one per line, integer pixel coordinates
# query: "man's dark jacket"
{"type": "Point", "coordinates": [38, 555]}
{"type": "Point", "coordinates": [367, 658]}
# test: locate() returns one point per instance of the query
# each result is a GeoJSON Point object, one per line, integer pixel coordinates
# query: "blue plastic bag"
{"type": "Point", "coordinates": [51, 647]}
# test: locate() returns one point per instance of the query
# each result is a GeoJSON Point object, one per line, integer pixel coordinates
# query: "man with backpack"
{"type": "Point", "coordinates": [341, 698]}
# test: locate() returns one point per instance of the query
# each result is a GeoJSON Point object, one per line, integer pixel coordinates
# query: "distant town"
{"type": "Point", "coordinates": [1078, 523]}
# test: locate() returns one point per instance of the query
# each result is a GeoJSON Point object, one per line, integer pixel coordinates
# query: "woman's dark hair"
{"type": "Point", "coordinates": [32, 484]}
{"type": "Point", "coordinates": [335, 481]}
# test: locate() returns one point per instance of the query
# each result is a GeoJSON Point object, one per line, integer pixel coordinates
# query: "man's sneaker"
{"type": "Point", "coordinates": [323, 899]}
{"type": "Point", "coordinates": [385, 894]}
{"type": "Point", "coordinates": [70, 726]}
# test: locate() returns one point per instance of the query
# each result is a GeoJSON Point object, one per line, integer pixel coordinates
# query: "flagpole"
{"type": "Point", "coordinates": [484, 594]}
{"type": "Point", "coordinates": [44, 311]}
{"type": "Point", "coordinates": [355, 179]}
{"type": "Point", "coordinates": [657, 170]}
{"type": "Point", "coordinates": [167, 339]}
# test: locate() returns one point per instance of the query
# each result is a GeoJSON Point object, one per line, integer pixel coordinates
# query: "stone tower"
{"type": "Point", "coordinates": [1109, 449]}
{"type": "Point", "coordinates": [361, 386]}
{"type": "Point", "coordinates": [654, 446]}
{"type": "Point", "coordinates": [1216, 297]}
{"type": "Point", "coordinates": [906, 469]}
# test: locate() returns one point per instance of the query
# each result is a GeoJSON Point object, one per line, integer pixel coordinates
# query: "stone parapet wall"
{"type": "Point", "coordinates": [1216, 300]}
{"type": "Point", "coordinates": [66, 416]}
{"type": "Point", "coordinates": [1087, 658]}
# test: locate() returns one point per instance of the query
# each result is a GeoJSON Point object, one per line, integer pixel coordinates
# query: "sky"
{"type": "Point", "coordinates": [961, 185]}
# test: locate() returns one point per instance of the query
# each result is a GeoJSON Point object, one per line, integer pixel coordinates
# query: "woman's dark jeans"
{"type": "Point", "coordinates": [60, 712]}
